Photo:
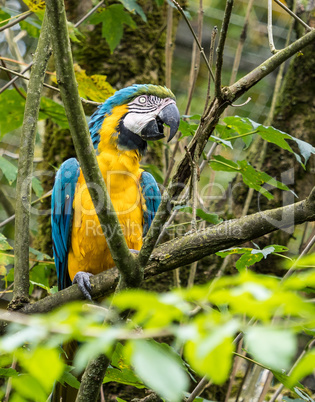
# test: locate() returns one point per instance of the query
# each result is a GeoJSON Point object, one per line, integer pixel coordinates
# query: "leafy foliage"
{"type": "Point", "coordinates": [206, 337]}
{"type": "Point", "coordinates": [251, 255]}
{"type": "Point", "coordinates": [252, 177]}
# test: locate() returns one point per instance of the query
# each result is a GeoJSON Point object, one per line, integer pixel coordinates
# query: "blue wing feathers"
{"type": "Point", "coordinates": [61, 217]}
{"type": "Point", "coordinates": [152, 198]}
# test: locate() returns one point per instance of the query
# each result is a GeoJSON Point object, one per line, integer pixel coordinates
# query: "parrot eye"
{"type": "Point", "coordinates": [142, 99]}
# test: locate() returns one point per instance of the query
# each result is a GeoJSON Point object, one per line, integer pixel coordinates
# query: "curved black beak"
{"type": "Point", "coordinates": [154, 130]}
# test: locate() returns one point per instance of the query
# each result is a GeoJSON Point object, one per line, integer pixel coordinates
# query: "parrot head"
{"type": "Point", "coordinates": [133, 116]}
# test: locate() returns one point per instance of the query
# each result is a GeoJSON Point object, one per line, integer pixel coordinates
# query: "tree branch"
{"type": "Point", "coordinates": [124, 260]}
{"type": "Point", "coordinates": [221, 44]}
{"type": "Point", "coordinates": [22, 17]}
{"type": "Point", "coordinates": [25, 167]}
{"type": "Point", "coordinates": [190, 248]}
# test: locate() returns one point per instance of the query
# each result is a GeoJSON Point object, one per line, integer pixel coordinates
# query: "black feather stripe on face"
{"type": "Point", "coordinates": [127, 140]}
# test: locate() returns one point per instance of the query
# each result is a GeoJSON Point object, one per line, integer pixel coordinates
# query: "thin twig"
{"type": "Point", "coordinates": [8, 84]}
{"type": "Point", "coordinates": [25, 166]}
{"type": "Point", "coordinates": [308, 247]}
{"type": "Point", "coordinates": [243, 104]}
{"type": "Point", "coordinates": [16, 21]}
{"type": "Point", "coordinates": [298, 19]}
{"type": "Point", "coordinates": [179, 8]}
{"type": "Point", "coordinates": [12, 217]}
{"type": "Point", "coordinates": [308, 346]}
{"type": "Point", "coordinates": [13, 83]}
{"type": "Point", "coordinates": [175, 211]}
{"type": "Point", "coordinates": [211, 54]}
{"type": "Point", "coordinates": [269, 28]}
{"type": "Point", "coordinates": [20, 75]}
{"type": "Point", "coordinates": [86, 16]}
{"type": "Point", "coordinates": [241, 42]}
{"type": "Point", "coordinates": [220, 49]}
{"type": "Point", "coordinates": [16, 156]}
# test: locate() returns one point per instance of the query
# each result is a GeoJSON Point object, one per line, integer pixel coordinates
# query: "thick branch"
{"type": "Point", "coordinates": [190, 248]}
{"type": "Point", "coordinates": [25, 166]}
{"type": "Point", "coordinates": [83, 144]}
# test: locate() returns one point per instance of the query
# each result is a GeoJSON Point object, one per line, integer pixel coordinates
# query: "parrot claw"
{"type": "Point", "coordinates": [82, 279]}
{"type": "Point", "coordinates": [134, 251]}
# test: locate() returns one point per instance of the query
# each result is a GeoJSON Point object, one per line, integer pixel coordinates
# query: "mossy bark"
{"type": "Point", "coordinates": [138, 59]}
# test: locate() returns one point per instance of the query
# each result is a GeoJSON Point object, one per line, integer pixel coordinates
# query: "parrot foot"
{"type": "Point", "coordinates": [82, 279]}
{"type": "Point", "coordinates": [134, 251]}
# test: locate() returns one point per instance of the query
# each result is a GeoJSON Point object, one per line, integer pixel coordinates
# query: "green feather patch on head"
{"type": "Point", "coordinates": [155, 90]}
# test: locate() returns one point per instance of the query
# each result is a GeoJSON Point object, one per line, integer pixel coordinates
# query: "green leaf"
{"type": "Point", "coordinates": [122, 372]}
{"type": "Point", "coordinates": [251, 255]}
{"type": "Point", "coordinates": [236, 125]}
{"type": "Point", "coordinates": [227, 143]}
{"type": "Point", "coordinates": [279, 138]}
{"type": "Point", "coordinates": [4, 16]}
{"type": "Point", "coordinates": [120, 400]}
{"type": "Point", "coordinates": [44, 364]}
{"type": "Point", "coordinates": [28, 387]}
{"type": "Point", "coordinates": [94, 87]}
{"type": "Point", "coordinates": [113, 19]}
{"type": "Point", "coordinates": [8, 169]}
{"type": "Point", "coordinates": [89, 350]}
{"type": "Point", "coordinates": [39, 256]}
{"type": "Point", "coordinates": [155, 171]}
{"type": "Point", "coordinates": [159, 369]}
{"type": "Point", "coordinates": [8, 372]}
{"type": "Point", "coordinates": [11, 111]}
{"type": "Point", "coordinates": [246, 260]}
{"type": "Point", "coordinates": [4, 245]}
{"type": "Point", "coordinates": [303, 368]}
{"type": "Point", "coordinates": [69, 378]}
{"type": "Point", "coordinates": [54, 111]}
{"type": "Point", "coordinates": [209, 351]}
{"type": "Point", "coordinates": [32, 26]}
{"type": "Point", "coordinates": [133, 7]}
{"type": "Point", "coordinates": [253, 178]}
{"type": "Point", "coordinates": [304, 396]}
{"type": "Point", "coordinates": [272, 347]}
{"type": "Point", "coordinates": [74, 33]}
{"type": "Point", "coordinates": [186, 128]}
{"type": "Point", "coordinates": [37, 187]}
{"type": "Point", "coordinates": [208, 217]}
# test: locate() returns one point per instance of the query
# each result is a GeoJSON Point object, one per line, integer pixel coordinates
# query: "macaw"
{"type": "Point", "coordinates": [120, 129]}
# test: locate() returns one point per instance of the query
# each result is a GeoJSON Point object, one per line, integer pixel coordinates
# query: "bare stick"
{"type": "Point", "coordinates": [25, 167]}
{"type": "Point", "coordinates": [89, 13]}
{"type": "Point", "coordinates": [8, 84]}
{"type": "Point", "coordinates": [195, 36]}
{"type": "Point", "coordinates": [241, 42]}
{"type": "Point", "coordinates": [175, 211]}
{"type": "Point", "coordinates": [269, 28]}
{"type": "Point", "coordinates": [13, 83]}
{"type": "Point", "coordinates": [19, 75]}
{"type": "Point", "coordinates": [16, 21]}
{"type": "Point", "coordinates": [298, 19]}
{"type": "Point", "coordinates": [223, 34]}
{"type": "Point", "coordinates": [211, 54]}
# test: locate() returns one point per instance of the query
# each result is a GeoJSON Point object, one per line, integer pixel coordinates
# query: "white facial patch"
{"type": "Point", "coordinates": [135, 122]}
